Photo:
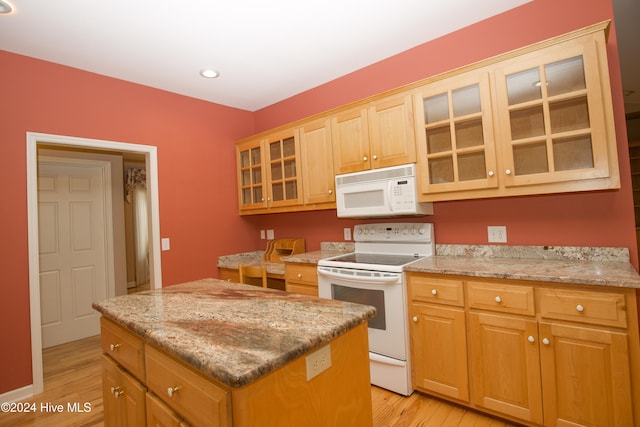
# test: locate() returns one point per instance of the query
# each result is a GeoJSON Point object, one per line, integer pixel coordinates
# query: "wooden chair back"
{"type": "Point", "coordinates": [250, 274]}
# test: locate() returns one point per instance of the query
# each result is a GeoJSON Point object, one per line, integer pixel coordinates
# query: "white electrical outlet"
{"type": "Point", "coordinates": [270, 235]}
{"type": "Point", "coordinates": [347, 233]}
{"type": "Point", "coordinates": [497, 233]}
{"type": "Point", "coordinates": [318, 361]}
{"type": "Point", "coordinates": [262, 235]}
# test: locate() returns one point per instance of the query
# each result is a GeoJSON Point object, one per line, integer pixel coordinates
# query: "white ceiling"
{"type": "Point", "coordinates": [266, 51]}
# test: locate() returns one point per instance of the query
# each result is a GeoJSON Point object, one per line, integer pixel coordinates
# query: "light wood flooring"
{"type": "Point", "coordinates": [72, 373]}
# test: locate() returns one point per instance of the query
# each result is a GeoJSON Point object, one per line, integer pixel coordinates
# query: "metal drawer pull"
{"type": "Point", "coordinates": [434, 292]}
{"type": "Point", "coordinates": [531, 338]}
{"type": "Point", "coordinates": [498, 299]}
{"type": "Point", "coordinates": [117, 391]}
{"type": "Point", "coordinates": [580, 308]}
{"type": "Point", "coordinates": [173, 390]}
{"type": "Point", "coordinates": [114, 347]}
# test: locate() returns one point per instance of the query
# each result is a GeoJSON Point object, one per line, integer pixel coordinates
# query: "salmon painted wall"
{"type": "Point", "coordinates": [584, 219]}
{"type": "Point", "coordinates": [196, 156]}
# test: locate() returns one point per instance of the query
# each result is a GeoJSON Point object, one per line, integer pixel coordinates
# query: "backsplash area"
{"type": "Point", "coordinates": [577, 253]}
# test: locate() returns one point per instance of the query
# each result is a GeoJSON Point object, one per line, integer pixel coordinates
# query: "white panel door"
{"type": "Point", "coordinates": [73, 248]}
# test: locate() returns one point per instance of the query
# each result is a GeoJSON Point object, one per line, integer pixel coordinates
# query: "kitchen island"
{"type": "Point", "coordinates": [212, 352]}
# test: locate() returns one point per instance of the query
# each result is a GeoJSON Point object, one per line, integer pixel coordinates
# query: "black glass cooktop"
{"type": "Point", "coordinates": [377, 259]}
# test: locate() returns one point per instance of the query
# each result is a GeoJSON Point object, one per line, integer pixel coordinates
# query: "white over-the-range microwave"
{"type": "Point", "coordinates": [385, 192]}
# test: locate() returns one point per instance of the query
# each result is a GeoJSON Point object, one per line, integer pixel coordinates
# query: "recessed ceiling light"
{"type": "Point", "coordinates": [207, 72]}
{"type": "Point", "coordinates": [5, 7]}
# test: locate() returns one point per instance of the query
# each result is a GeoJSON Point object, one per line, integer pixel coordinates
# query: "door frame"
{"type": "Point", "coordinates": [32, 141]}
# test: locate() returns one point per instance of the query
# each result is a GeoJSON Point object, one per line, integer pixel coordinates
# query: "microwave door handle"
{"type": "Point", "coordinates": [385, 279]}
{"type": "Point", "coordinates": [391, 195]}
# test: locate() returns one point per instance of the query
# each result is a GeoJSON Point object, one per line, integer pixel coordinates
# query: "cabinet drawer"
{"type": "Point", "coordinates": [602, 308]}
{"type": "Point", "coordinates": [301, 273]}
{"type": "Point", "coordinates": [515, 299]}
{"type": "Point", "coordinates": [123, 346]}
{"type": "Point", "coordinates": [191, 395]}
{"type": "Point", "coordinates": [441, 291]}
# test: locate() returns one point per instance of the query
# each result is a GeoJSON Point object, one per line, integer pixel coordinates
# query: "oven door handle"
{"type": "Point", "coordinates": [385, 279]}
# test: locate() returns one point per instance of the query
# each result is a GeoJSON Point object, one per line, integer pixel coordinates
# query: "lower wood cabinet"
{"type": "Point", "coordinates": [123, 396]}
{"type": "Point", "coordinates": [301, 278]}
{"type": "Point", "coordinates": [169, 392]}
{"type": "Point", "coordinates": [536, 353]}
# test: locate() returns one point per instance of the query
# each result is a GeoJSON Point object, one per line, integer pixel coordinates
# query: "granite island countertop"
{"type": "Point", "coordinates": [234, 333]}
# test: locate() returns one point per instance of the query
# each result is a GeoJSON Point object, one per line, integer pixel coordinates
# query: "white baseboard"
{"type": "Point", "coordinates": [18, 394]}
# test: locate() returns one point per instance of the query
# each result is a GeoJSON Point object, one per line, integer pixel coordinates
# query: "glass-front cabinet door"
{"type": "Point", "coordinates": [456, 148]}
{"type": "Point", "coordinates": [553, 121]}
{"type": "Point", "coordinates": [251, 177]}
{"type": "Point", "coordinates": [283, 175]}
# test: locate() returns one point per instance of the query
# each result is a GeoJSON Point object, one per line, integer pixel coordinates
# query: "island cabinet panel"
{"type": "Point", "coordinates": [123, 396]}
{"type": "Point", "coordinates": [338, 396]}
{"type": "Point", "coordinates": [197, 399]}
{"type": "Point", "coordinates": [538, 353]}
{"type": "Point", "coordinates": [160, 415]}
{"type": "Point", "coordinates": [124, 347]}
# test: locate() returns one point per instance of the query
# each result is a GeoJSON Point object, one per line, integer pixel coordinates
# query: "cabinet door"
{"type": "Point", "coordinates": [555, 114]}
{"type": "Point", "coordinates": [392, 132]}
{"type": "Point", "coordinates": [283, 169]}
{"type": "Point", "coordinates": [251, 175]}
{"type": "Point", "coordinates": [124, 397]}
{"type": "Point", "coordinates": [350, 139]}
{"type": "Point", "coordinates": [318, 182]}
{"type": "Point", "coordinates": [439, 350]}
{"type": "Point", "coordinates": [586, 378]}
{"type": "Point", "coordinates": [505, 363]}
{"type": "Point", "coordinates": [160, 415]}
{"type": "Point", "coordinates": [455, 136]}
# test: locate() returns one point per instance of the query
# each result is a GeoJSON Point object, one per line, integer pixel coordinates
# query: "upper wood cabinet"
{"type": "Point", "coordinates": [318, 182]}
{"type": "Point", "coordinates": [534, 121]}
{"type": "Point", "coordinates": [375, 135]}
{"type": "Point", "coordinates": [456, 149]}
{"type": "Point", "coordinates": [269, 171]}
{"type": "Point", "coordinates": [554, 108]}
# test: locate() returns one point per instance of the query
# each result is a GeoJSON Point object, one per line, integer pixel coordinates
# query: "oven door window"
{"type": "Point", "coordinates": [371, 297]}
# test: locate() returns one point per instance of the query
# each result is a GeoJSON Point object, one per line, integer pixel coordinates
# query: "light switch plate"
{"type": "Point", "coordinates": [270, 235]}
{"type": "Point", "coordinates": [347, 233]}
{"type": "Point", "coordinates": [166, 244]}
{"type": "Point", "coordinates": [262, 235]}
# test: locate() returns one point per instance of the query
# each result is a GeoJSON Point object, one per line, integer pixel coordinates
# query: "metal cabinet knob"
{"type": "Point", "coordinates": [375, 157]}
{"type": "Point", "coordinates": [117, 392]}
{"type": "Point", "coordinates": [580, 308]}
{"type": "Point", "coordinates": [299, 275]}
{"type": "Point", "coordinates": [434, 292]}
{"type": "Point", "coordinates": [414, 318]}
{"type": "Point", "coordinates": [114, 347]}
{"type": "Point", "coordinates": [508, 171]}
{"type": "Point", "coordinates": [531, 338]}
{"type": "Point", "coordinates": [365, 158]}
{"type": "Point", "coordinates": [330, 191]}
{"type": "Point", "coordinates": [173, 390]}
{"type": "Point", "coordinates": [498, 299]}
{"type": "Point", "coordinates": [491, 173]}
{"type": "Point", "coordinates": [545, 341]}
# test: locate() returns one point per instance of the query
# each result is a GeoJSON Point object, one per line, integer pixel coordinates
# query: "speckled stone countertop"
{"type": "Point", "coordinates": [577, 265]}
{"type": "Point", "coordinates": [231, 332]}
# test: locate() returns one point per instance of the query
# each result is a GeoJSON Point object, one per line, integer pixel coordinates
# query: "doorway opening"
{"type": "Point", "coordinates": [74, 144]}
